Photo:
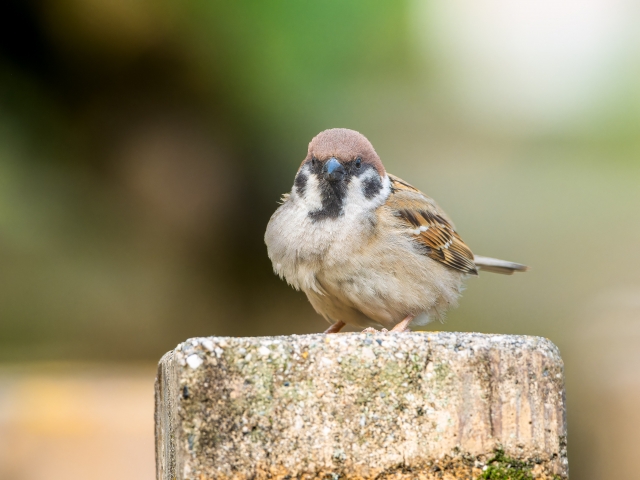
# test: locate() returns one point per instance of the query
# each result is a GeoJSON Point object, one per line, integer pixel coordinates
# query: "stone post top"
{"type": "Point", "coordinates": [194, 351]}
{"type": "Point", "coordinates": [457, 340]}
{"type": "Point", "coordinates": [356, 405]}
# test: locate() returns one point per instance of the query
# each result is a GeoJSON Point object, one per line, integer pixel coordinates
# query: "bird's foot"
{"type": "Point", "coordinates": [373, 330]}
{"type": "Point", "coordinates": [403, 326]}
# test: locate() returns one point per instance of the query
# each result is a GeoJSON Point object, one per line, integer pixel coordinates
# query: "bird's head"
{"type": "Point", "coordinates": [341, 168]}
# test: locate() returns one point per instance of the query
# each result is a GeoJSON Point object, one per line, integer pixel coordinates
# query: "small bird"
{"type": "Point", "coordinates": [367, 248]}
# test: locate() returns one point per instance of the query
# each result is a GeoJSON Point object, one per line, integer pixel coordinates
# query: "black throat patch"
{"type": "Point", "coordinates": [333, 195]}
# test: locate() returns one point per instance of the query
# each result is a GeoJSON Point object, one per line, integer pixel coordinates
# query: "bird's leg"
{"type": "Point", "coordinates": [403, 326]}
{"type": "Point", "coordinates": [335, 328]}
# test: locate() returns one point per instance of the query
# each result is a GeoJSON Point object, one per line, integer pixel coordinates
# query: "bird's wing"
{"type": "Point", "coordinates": [430, 226]}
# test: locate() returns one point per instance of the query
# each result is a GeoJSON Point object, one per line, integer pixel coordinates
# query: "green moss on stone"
{"type": "Point", "coordinates": [501, 467]}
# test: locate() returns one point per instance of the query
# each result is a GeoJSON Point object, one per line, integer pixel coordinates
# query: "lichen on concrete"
{"type": "Point", "coordinates": [412, 405]}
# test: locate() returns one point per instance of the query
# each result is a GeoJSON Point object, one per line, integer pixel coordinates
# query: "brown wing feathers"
{"type": "Point", "coordinates": [432, 230]}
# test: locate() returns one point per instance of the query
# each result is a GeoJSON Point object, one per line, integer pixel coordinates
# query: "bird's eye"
{"type": "Point", "coordinates": [313, 161]}
{"type": "Point", "coordinates": [358, 162]}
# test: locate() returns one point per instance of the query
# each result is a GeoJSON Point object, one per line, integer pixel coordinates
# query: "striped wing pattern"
{"type": "Point", "coordinates": [431, 229]}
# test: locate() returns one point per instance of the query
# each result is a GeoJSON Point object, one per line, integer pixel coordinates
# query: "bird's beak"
{"type": "Point", "coordinates": [333, 170]}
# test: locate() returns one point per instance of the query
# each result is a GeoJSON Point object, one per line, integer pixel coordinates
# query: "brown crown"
{"type": "Point", "coordinates": [345, 145]}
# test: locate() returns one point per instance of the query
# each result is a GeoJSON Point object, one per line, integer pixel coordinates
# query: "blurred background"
{"type": "Point", "coordinates": [145, 144]}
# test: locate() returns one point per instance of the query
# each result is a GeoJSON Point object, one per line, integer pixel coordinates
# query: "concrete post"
{"type": "Point", "coordinates": [409, 405]}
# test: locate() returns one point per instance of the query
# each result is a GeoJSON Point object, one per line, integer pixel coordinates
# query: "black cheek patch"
{"type": "Point", "coordinates": [301, 183]}
{"type": "Point", "coordinates": [371, 187]}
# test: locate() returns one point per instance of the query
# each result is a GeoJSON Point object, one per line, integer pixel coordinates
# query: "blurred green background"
{"type": "Point", "coordinates": [145, 144]}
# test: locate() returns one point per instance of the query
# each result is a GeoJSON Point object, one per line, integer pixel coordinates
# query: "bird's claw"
{"type": "Point", "coordinates": [373, 330]}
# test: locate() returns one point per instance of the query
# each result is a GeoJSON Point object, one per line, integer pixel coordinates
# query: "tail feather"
{"type": "Point", "coordinates": [494, 265]}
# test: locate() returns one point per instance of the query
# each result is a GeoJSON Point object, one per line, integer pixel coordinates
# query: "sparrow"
{"type": "Point", "coordinates": [367, 248]}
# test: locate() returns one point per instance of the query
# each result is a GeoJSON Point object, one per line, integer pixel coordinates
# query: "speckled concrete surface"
{"type": "Point", "coordinates": [408, 405]}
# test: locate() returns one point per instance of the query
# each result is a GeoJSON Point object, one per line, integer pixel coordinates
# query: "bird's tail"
{"type": "Point", "coordinates": [494, 265]}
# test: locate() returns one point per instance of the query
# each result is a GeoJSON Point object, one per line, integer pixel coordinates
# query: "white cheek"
{"type": "Point", "coordinates": [311, 199]}
{"type": "Point", "coordinates": [357, 201]}
{"type": "Point", "coordinates": [312, 195]}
